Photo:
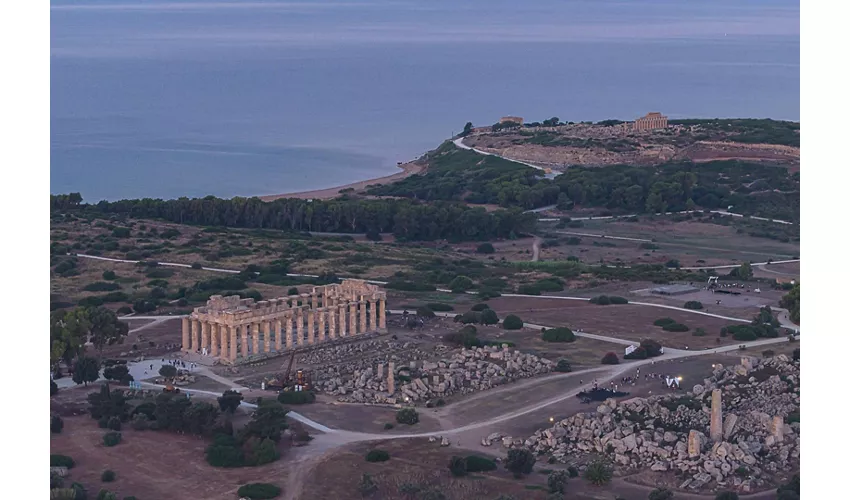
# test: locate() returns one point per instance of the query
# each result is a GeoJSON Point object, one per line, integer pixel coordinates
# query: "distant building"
{"type": "Point", "coordinates": [514, 119]}
{"type": "Point", "coordinates": [651, 121]}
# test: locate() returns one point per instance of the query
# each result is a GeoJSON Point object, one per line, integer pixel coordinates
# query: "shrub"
{"type": "Point", "coordinates": [489, 317]}
{"type": "Point", "coordinates": [61, 461]}
{"type": "Point", "coordinates": [117, 372]}
{"type": "Point", "coordinates": [639, 353]}
{"type": "Point", "coordinates": [460, 284]}
{"type": "Point", "coordinates": [124, 310]}
{"type": "Point", "coordinates": [108, 275]}
{"type": "Point", "coordinates": [474, 463]}
{"type": "Point", "coordinates": [480, 307]}
{"type": "Point", "coordinates": [557, 481]}
{"type": "Point", "coordinates": [672, 263]}
{"type": "Point", "coordinates": [485, 248]}
{"type": "Point", "coordinates": [139, 422]}
{"type": "Point", "coordinates": [377, 456]}
{"type": "Point", "coordinates": [563, 366]}
{"type": "Point", "coordinates": [106, 495]}
{"type": "Point", "coordinates": [610, 359]}
{"type": "Point", "coordinates": [562, 334]}
{"type": "Point", "coordinates": [457, 466]}
{"type": "Point", "coordinates": [598, 473]}
{"type": "Point", "coordinates": [675, 327]}
{"type": "Point", "coordinates": [121, 232]}
{"type": "Point", "coordinates": [572, 471]}
{"type": "Point", "coordinates": [699, 332]}
{"type": "Point", "coordinates": [744, 334]}
{"type": "Point", "coordinates": [601, 300]}
{"type": "Point", "coordinates": [425, 312]}
{"type": "Point", "coordinates": [660, 494]}
{"type": "Point", "coordinates": [56, 424]}
{"type": "Point", "coordinates": [258, 491]}
{"type": "Point", "coordinates": [664, 321]}
{"type": "Point", "coordinates": [652, 347]}
{"type": "Point", "coordinates": [107, 476]}
{"type": "Point", "coordinates": [111, 438]}
{"type": "Point", "coordinates": [114, 423]}
{"type": "Point", "coordinates": [693, 304]}
{"type": "Point", "coordinates": [512, 322]}
{"type": "Point", "coordinates": [520, 461]}
{"type": "Point", "coordinates": [437, 306]}
{"type": "Point", "coordinates": [407, 416]}
{"type": "Point", "coordinates": [367, 485]}
{"type": "Point", "coordinates": [168, 371]}
{"type": "Point", "coordinates": [618, 300]}
{"type": "Point", "coordinates": [388, 426]}
{"type": "Point", "coordinates": [225, 452]}
{"type": "Point", "coordinates": [296, 397]}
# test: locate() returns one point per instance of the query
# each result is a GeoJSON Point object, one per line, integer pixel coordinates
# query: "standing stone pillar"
{"type": "Point", "coordinates": [435, 380]}
{"type": "Point", "coordinates": [332, 322]}
{"type": "Point", "coordinates": [243, 332]}
{"type": "Point", "coordinates": [288, 320]}
{"type": "Point", "coordinates": [299, 324]}
{"type": "Point", "coordinates": [352, 318]}
{"type": "Point", "coordinates": [314, 300]}
{"type": "Point", "coordinates": [373, 315]}
{"type": "Point", "coordinates": [391, 378]}
{"type": "Point", "coordinates": [311, 321]}
{"type": "Point", "coordinates": [382, 315]}
{"type": "Point", "coordinates": [223, 335]}
{"type": "Point", "coordinates": [278, 331]}
{"type": "Point", "coordinates": [340, 309]}
{"type": "Point", "coordinates": [716, 429]}
{"type": "Point", "coordinates": [694, 443]}
{"type": "Point", "coordinates": [255, 337]}
{"type": "Point", "coordinates": [186, 331]}
{"type": "Point", "coordinates": [267, 336]}
{"type": "Point", "coordinates": [778, 429]}
{"type": "Point", "coordinates": [205, 334]}
{"type": "Point", "coordinates": [233, 341]}
{"type": "Point", "coordinates": [363, 303]}
{"type": "Point", "coordinates": [214, 339]}
{"type": "Point", "coordinates": [321, 312]}
{"type": "Point", "coordinates": [195, 335]}
{"type": "Point", "coordinates": [380, 371]}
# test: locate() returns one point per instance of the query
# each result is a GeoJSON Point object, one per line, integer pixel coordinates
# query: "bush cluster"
{"type": "Point", "coordinates": [407, 416]}
{"type": "Point", "coordinates": [610, 358]}
{"type": "Point", "coordinates": [512, 322]}
{"type": "Point", "coordinates": [377, 456]}
{"type": "Point", "coordinates": [258, 491]}
{"type": "Point", "coordinates": [561, 334]}
{"type": "Point", "coordinates": [693, 304]}
{"type": "Point", "coordinates": [111, 438]}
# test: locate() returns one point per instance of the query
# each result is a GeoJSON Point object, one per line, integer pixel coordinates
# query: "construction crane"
{"type": "Point", "coordinates": [712, 282]}
{"type": "Point", "coordinates": [281, 382]}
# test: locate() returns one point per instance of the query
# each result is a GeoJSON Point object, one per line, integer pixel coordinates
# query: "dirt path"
{"type": "Point", "coordinates": [535, 248]}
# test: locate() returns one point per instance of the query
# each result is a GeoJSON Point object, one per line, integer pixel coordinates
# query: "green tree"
{"type": "Point", "coordinates": [229, 401]}
{"type": "Point", "coordinates": [489, 317]}
{"type": "Point", "coordinates": [106, 328]}
{"type": "Point", "coordinates": [457, 466]}
{"type": "Point", "coordinates": [512, 322]}
{"type": "Point", "coordinates": [467, 129]}
{"type": "Point", "coordinates": [200, 418]}
{"type": "Point", "coordinates": [86, 370]}
{"type": "Point", "coordinates": [745, 271]}
{"type": "Point", "coordinates": [791, 302]}
{"type": "Point", "coordinates": [68, 332]}
{"type": "Point", "coordinates": [520, 461]}
{"type": "Point", "coordinates": [564, 202]}
{"type": "Point", "coordinates": [460, 284]}
{"type": "Point", "coordinates": [268, 421]}
{"type": "Point", "coordinates": [168, 371]}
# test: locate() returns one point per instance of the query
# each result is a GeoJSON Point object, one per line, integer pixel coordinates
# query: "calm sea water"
{"type": "Point", "coordinates": [190, 98]}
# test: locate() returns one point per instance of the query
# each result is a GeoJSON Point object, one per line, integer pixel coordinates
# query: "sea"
{"type": "Point", "coordinates": [164, 99]}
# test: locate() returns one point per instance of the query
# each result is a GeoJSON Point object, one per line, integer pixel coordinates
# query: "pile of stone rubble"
{"type": "Point", "coordinates": [464, 372]}
{"type": "Point", "coordinates": [731, 432]}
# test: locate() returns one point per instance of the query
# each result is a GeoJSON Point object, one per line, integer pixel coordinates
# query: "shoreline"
{"type": "Point", "coordinates": [408, 169]}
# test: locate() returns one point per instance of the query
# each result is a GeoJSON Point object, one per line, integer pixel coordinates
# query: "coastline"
{"type": "Point", "coordinates": [408, 169]}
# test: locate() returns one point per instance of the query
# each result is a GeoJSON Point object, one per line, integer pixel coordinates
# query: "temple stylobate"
{"type": "Point", "coordinates": [232, 327]}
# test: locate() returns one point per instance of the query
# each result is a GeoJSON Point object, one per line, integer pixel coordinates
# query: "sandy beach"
{"type": "Point", "coordinates": [328, 193]}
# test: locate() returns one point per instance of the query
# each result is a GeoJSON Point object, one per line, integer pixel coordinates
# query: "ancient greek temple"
{"type": "Point", "coordinates": [231, 327]}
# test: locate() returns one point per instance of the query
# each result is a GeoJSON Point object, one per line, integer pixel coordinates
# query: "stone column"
{"type": "Point", "coordinates": [391, 379]}
{"type": "Point", "coordinates": [205, 334]}
{"type": "Point", "coordinates": [382, 315]}
{"type": "Point", "coordinates": [314, 300]}
{"type": "Point", "coordinates": [255, 337]}
{"type": "Point", "coordinates": [243, 332]}
{"type": "Point", "coordinates": [321, 313]}
{"type": "Point", "coordinates": [278, 332]}
{"type": "Point", "coordinates": [288, 323]}
{"type": "Point", "coordinates": [778, 429]}
{"type": "Point", "coordinates": [299, 324]}
{"type": "Point", "coordinates": [267, 336]}
{"type": "Point", "coordinates": [186, 336]}
{"type": "Point", "coordinates": [332, 312]}
{"type": "Point", "coordinates": [195, 335]}
{"type": "Point", "coordinates": [716, 429]}
{"type": "Point", "coordinates": [380, 373]}
{"type": "Point", "coordinates": [352, 318]}
{"type": "Point", "coordinates": [214, 339]}
{"type": "Point", "coordinates": [694, 443]}
{"type": "Point", "coordinates": [233, 330]}
{"type": "Point", "coordinates": [223, 337]}
{"type": "Point", "coordinates": [311, 321]}
{"type": "Point", "coordinates": [363, 303]}
{"type": "Point", "coordinates": [373, 315]}
{"type": "Point", "coordinates": [341, 311]}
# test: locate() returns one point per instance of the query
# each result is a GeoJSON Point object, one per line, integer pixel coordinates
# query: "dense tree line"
{"type": "Point", "coordinates": [749, 131]}
{"type": "Point", "coordinates": [406, 219]}
{"type": "Point", "coordinates": [685, 186]}
{"type": "Point", "coordinates": [460, 175]}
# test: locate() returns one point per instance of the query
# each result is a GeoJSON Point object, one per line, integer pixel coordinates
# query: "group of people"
{"type": "Point", "coordinates": [177, 363]}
